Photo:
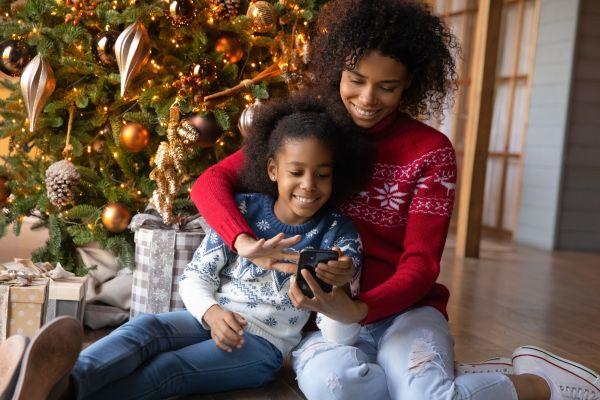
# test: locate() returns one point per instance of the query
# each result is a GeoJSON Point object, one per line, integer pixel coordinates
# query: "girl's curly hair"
{"type": "Point", "coordinates": [405, 30]}
{"type": "Point", "coordinates": [301, 116]}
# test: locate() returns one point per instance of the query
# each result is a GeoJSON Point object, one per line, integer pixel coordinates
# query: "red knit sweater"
{"type": "Point", "coordinates": [402, 216]}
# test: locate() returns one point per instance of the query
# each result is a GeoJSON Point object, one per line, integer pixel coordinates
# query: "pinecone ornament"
{"type": "Point", "coordinates": [224, 9]}
{"type": "Point", "coordinates": [61, 179]}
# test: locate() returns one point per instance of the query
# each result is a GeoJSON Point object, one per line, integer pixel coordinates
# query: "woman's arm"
{"type": "Point", "coordinates": [212, 194]}
{"type": "Point", "coordinates": [426, 229]}
{"type": "Point", "coordinates": [418, 267]}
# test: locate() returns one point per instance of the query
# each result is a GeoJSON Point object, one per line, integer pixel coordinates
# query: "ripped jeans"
{"type": "Point", "coordinates": [408, 356]}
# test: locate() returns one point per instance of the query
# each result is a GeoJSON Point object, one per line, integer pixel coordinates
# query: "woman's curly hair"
{"type": "Point", "coordinates": [405, 30]}
{"type": "Point", "coordinates": [300, 116]}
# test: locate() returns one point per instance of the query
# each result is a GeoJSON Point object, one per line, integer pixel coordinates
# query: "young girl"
{"type": "Point", "coordinates": [385, 61]}
{"type": "Point", "coordinates": [240, 322]}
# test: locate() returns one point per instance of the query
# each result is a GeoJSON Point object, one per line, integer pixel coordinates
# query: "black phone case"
{"type": "Point", "coordinates": [308, 260]}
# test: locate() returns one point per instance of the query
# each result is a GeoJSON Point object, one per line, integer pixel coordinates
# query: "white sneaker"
{"type": "Point", "coordinates": [502, 365]}
{"type": "Point", "coordinates": [567, 380]}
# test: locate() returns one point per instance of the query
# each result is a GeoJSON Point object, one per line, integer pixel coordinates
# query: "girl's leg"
{"type": "Point", "coordinates": [416, 352]}
{"type": "Point", "coordinates": [198, 368]}
{"type": "Point", "coordinates": [330, 371]}
{"type": "Point", "coordinates": [125, 349]}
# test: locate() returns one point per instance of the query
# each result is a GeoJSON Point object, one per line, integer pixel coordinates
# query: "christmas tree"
{"type": "Point", "coordinates": [115, 103]}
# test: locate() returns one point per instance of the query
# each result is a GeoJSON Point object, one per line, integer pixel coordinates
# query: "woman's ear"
{"type": "Point", "coordinates": [272, 169]}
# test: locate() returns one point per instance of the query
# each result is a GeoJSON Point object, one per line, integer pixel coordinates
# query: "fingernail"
{"type": "Point", "coordinates": [241, 333]}
{"type": "Point", "coordinates": [229, 350]}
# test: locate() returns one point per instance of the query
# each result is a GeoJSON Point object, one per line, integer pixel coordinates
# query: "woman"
{"type": "Point", "coordinates": [388, 60]}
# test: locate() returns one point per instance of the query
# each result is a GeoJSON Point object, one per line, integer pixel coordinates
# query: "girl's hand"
{"type": "Point", "coordinates": [269, 254]}
{"type": "Point", "coordinates": [336, 305]}
{"type": "Point", "coordinates": [226, 328]}
{"type": "Point", "coordinates": [336, 273]}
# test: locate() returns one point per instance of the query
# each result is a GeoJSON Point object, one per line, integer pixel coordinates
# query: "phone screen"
{"type": "Point", "coordinates": [309, 258]}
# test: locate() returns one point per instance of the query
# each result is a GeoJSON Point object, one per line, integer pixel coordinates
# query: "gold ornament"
{"type": "Point", "coordinates": [181, 12]}
{"type": "Point", "coordinates": [134, 137]}
{"type": "Point", "coordinates": [14, 56]}
{"type": "Point", "coordinates": [231, 47]}
{"type": "Point", "coordinates": [263, 16]}
{"type": "Point", "coordinates": [4, 189]}
{"type": "Point", "coordinates": [103, 48]}
{"type": "Point", "coordinates": [247, 116]}
{"type": "Point", "coordinates": [132, 50]}
{"type": "Point", "coordinates": [115, 217]}
{"type": "Point", "coordinates": [37, 84]}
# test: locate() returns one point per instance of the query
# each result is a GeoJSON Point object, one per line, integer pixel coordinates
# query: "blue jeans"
{"type": "Point", "coordinates": [408, 356]}
{"type": "Point", "coordinates": [170, 354]}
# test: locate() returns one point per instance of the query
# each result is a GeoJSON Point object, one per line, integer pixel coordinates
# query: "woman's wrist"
{"type": "Point", "coordinates": [361, 310]}
{"type": "Point", "coordinates": [243, 239]}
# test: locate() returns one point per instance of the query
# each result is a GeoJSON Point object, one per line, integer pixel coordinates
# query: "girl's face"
{"type": "Point", "coordinates": [373, 89]}
{"type": "Point", "coordinates": [303, 170]}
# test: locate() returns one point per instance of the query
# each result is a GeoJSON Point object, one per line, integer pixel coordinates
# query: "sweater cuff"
{"type": "Point", "coordinates": [231, 229]}
{"type": "Point", "coordinates": [372, 304]}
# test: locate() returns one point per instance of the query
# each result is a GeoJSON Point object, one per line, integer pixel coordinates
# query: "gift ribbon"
{"type": "Point", "coordinates": [23, 272]}
{"type": "Point", "coordinates": [151, 219]}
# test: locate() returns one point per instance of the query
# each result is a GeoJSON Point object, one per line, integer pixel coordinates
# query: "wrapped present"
{"type": "Point", "coordinates": [161, 254]}
{"type": "Point", "coordinates": [66, 296]}
{"type": "Point", "coordinates": [22, 307]}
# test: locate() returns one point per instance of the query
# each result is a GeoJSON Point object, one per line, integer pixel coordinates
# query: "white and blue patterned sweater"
{"type": "Point", "coordinates": [216, 275]}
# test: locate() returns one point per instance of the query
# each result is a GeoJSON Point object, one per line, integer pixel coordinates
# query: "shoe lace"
{"type": "Point", "coordinates": [579, 393]}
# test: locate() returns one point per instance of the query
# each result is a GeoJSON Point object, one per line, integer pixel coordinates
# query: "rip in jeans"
{"type": "Point", "coordinates": [422, 354]}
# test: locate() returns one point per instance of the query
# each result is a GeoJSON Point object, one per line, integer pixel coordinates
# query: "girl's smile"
{"type": "Point", "coordinates": [303, 170]}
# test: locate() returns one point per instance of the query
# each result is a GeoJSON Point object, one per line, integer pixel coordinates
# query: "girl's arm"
{"type": "Point", "coordinates": [212, 194]}
{"type": "Point", "coordinates": [200, 279]}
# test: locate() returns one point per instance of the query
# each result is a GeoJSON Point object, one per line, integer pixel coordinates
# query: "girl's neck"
{"type": "Point", "coordinates": [286, 216]}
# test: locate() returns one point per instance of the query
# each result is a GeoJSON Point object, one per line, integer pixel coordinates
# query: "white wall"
{"type": "Point", "coordinates": [548, 123]}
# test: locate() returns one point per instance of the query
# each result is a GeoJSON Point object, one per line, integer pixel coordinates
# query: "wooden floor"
{"type": "Point", "coordinates": [512, 295]}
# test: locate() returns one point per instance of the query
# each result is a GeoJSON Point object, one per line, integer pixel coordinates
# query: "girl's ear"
{"type": "Point", "coordinates": [272, 169]}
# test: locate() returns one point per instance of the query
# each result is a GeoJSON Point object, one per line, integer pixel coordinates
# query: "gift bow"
{"type": "Point", "coordinates": [151, 219]}
{"type": "Point", "coordinates": [23, 272]}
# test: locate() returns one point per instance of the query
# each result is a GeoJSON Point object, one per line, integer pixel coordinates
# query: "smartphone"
{"type": "Point", "coordinates": [309, 258]}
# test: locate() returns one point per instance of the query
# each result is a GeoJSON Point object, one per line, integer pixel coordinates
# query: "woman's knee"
{"type": "Point", "coordinates": [424, 372]}
{"type": "Point", "coordinates": [341, 373]}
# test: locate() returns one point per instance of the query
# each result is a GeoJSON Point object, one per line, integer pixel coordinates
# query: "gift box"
{"type": "Point", "coordinates": [66, 297]}
{"type": "Point", "coordinates": [22, 308]}
{"type": "Point", "coordinates": [161, 254]}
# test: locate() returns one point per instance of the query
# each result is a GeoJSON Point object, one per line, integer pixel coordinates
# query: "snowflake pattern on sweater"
{"type": "Point", "coordinates": [219, 276]}
{"type": "Point", "coordinates": [425, 186]}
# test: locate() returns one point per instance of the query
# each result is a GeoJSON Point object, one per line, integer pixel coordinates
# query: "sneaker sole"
{"type": "Point", "coordinates": [51, 355]}
{"type": "Point", "coordinates": [498, 364]}
{"type": "Point", "coordinates": [571, 367]}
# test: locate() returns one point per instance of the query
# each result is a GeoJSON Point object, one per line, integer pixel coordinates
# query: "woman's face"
{"type": "Point", "coordinates": [373, 89]}
{"type": "Point", "coordinates": [303, 170]}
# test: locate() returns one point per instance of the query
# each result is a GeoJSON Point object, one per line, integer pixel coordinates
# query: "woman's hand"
{"type": "Point", "coordinates": [269, 254]}
{"type": "Point", "coordinates": [226, 328]}
{"type": "Point", "coordinates": [336, 273]}
{"type": "Point", "coordinates": [336, 305]}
